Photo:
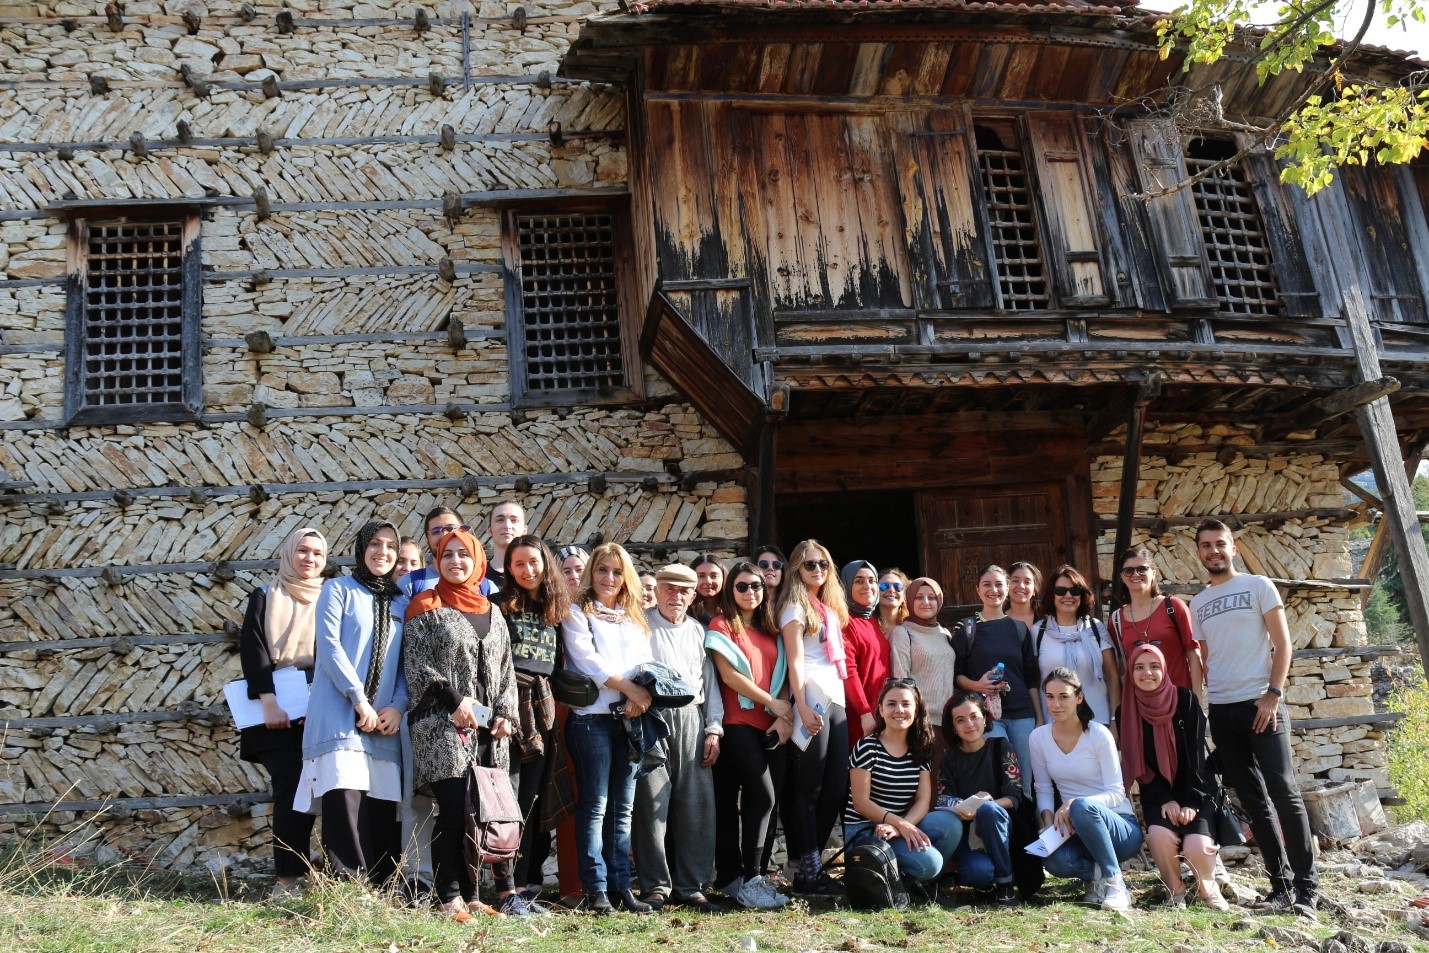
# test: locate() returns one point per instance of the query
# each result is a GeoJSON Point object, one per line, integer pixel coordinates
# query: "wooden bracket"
{"type": "Point", "coordinates": [1332, 405]}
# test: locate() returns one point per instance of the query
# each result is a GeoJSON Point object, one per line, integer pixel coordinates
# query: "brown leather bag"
{"type": "Point", "coordinates": [493, 818]}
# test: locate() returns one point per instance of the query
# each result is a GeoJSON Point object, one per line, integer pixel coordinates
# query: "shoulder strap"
{"type": "Point", "coordinates": [1175, 619]}
{"type": "Point", "coordinates": [1116, 623]}
{"type": "Point", "coordinates": [1041, 631]}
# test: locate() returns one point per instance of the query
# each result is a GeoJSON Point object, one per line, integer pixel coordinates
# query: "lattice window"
{"type": "Point", "coordinates": [1236, 246]}
{"type": "Point", "coordinates": [1017, 248]}
{"type": "Point", "coordinates": [567, 343]}
{"type": "Point", "coordinates": [133, 321]}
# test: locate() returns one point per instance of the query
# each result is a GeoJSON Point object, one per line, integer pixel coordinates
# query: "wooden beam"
{"type": "Point", "coordinates": [1331, 406]}
{"type": "Point", "coordinates": [1376, 421]}
{"type": "Point", "coordinates": [1363, 651]}
{"type": "Point", "coordinates": [41, 808]}
{"type": "Point", "coordinates": [1348, 721]}
{"type": "Point", "coordinates": [1149, 390]}
{"type": "Point", "coordinates": [1162, 523]}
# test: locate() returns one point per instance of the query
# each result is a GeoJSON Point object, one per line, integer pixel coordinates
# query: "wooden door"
{"type": "Point", "coordinates": [965, 529]}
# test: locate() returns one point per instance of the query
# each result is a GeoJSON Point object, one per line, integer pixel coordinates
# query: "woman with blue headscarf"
{"type": "Point", "coordinates": [867, 652]}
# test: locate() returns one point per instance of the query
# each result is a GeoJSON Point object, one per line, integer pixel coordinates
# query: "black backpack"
{"type": "Point", "coordinates": [871, 874]}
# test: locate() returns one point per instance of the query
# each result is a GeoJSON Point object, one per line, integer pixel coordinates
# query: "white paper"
{"type": "Point", "coordinates": [815, 699]}
{"type": "Point", "coordinates": [1050, 840]}
{"type": "Point", "coordinates": [289, 684]}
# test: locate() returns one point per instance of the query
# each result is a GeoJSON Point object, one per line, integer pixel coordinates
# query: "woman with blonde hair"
{"type": "Point", "coordinates": [892, 601]}
{"type": "Point", "coordinates": [605, 637]}
{"type": "Point", "coordinates": [812, 614]}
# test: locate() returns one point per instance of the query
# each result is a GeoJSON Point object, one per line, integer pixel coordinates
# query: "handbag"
{"type": "Point", "coordinates": [1229, 830]}
{"type": "Point", "coordinates": [493, 818]}
{"type": "Point", "coordinates": [574, 689]}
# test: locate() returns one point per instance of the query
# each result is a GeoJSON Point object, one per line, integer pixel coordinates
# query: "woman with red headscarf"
{"type": "Point", "coordinates": [457, 656]}
{"type": "Point", "coordinates": [1163, 748]}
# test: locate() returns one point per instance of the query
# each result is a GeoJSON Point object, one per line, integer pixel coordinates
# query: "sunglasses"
{"type": "Point", "coordinates": [747, 586]}
{"type": "Point", "coordinates": [440, 531]}
{"type": "Point", "coordinates": [901, 683]}
{"type": "Point", "coordinates": [771, 564]}
{"type": "Point", "coordinates": [814, 564]}
{"type": "Point", "coordinates": [895, 586]}
{"type": "Point", "coordinates": [1077, 591]}
{"type": "Point", "coordinates": [1136, 570]}
{"type": "Point", "coordinates": [1145, 642]}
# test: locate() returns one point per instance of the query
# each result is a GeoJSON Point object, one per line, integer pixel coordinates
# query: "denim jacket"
{"type": "Point", "coordinates": [647, 732]}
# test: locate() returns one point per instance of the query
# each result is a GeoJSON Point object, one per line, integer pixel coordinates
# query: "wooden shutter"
{"type": "Point", "coordinates": [1295, 284]}
{"type": "Point", "coordinates": [1072, 245]}
{"type": "Point", "coordinates": [944, 217]}
{"type": "Point", "coordinates": [1175, 227]}
{"type": "Point", "coordinates": [1376, 203]}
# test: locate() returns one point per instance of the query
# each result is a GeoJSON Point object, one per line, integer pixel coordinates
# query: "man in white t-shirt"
{"type": "Point", "coordinates": [1239, 620]}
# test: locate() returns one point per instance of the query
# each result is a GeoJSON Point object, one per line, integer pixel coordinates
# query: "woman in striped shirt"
{"type": "Point", "coordinates": [891, 786]}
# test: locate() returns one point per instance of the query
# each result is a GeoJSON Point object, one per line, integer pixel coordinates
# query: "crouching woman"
{"type": "Point", "coordinates": [891, 786]}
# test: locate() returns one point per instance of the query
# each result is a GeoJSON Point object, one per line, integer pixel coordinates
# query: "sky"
{"type": "Point", "coordinates": [1415, 39]}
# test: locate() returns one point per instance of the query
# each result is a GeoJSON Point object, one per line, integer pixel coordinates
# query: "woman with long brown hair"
{"type": "Point", "coordinates": [1069, 636]}
{"type": "Point", "coordinates": [1153, 618]}
{"type": "Point", "coordinates": [812, 615]}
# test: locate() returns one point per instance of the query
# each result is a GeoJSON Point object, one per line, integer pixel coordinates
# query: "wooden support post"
{"type": "Point", "coordinates": [1375, 419]}
{"type": "Point", "coordinates": [762, 525]}
{"type": "Point", "coordinates": [1131, 472]}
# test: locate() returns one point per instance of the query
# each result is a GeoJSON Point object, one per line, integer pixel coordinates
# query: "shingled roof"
{"type": "Point", "coordinates": [1005, 6]}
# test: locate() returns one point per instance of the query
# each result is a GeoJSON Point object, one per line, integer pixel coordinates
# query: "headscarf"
{"type": "Point", "coordinates": [291, 616]}
{"type": "Point", "coordinates": [912, 591]}
{"type": "Point", "coordinates": [464, 597]}
{"type": "Point", "coordinates": [383, 588]}
{"type": "Point", "coordinates": [1157, 709]}
{"type": "Point", "coordinates": [846, 575]}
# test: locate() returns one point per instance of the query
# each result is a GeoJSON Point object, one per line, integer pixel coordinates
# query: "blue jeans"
{"type": "Point", "coordinates": [1103, 839]}
{"type": "Point", "coordinates": [605, 796]}
{"type": "Point", "coordinates": [1019, 732]}
{"type": "Point", "coordinates": [993, 863]}
{"type": "Point", "coordinates": [944, 829]}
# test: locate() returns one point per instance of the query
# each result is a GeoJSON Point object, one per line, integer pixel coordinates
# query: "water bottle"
{"type": "Point", "coordinates": [994, 698]}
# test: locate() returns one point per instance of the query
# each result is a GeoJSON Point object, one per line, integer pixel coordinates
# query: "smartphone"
{"type": "Point", "coordinates": [482, 714]}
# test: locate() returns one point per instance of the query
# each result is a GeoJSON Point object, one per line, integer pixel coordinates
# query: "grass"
{"type": "Point", "coordinates": [1409, 748]}
{"type": "Point", "coordinates": [54, 908]}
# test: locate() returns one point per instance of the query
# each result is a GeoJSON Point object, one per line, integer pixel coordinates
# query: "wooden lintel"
{"type": "Point", "coordinates": [498, 198]}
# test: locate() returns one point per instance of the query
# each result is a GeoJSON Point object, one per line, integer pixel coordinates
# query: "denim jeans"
{"type": "Point", "coordinates": [944, 830]}
{"type": "Point", "coordinates": [1019, 732]}
{"type": "Point", "coordinates": [605, 795]}
{"type": "Point", "coordinates": [1260, 768]}
{"type": "Point", "coordinates": [993, 863]}
{"type": "Point", "coordinates": [1103, 839]}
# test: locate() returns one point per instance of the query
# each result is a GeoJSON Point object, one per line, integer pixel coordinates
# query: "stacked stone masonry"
{"type": "Point", "coordinates": [1308, 554]}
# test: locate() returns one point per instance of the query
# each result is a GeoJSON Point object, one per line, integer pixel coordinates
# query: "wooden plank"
{"type": "Point", "coordinates": [1161, 165]}
{"type": "Point", "coordinates": [1363, 651]}
{"type": "Point", "coordinates": [1349, 721]}
{"type": "Point", "coordinates": [1072, 237]}
{"type": "Point", "coordinates": [173, 802]}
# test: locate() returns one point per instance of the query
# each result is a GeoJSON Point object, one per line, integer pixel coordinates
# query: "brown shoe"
{"type": "Point", "coordinates": [455, 910]}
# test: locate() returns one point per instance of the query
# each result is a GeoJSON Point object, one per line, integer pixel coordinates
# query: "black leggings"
{"type": "Point", "coordinates": [527, 779]}
{"type": "Point", "coordinates": [449, 867]}
{"type": "Point", "coordinates": [292, 830]}
{"type": "Point", "coordinates": [362, 836]}
{"type": "Point", "coordinates": [746, 777]}
{"type": "Point", "coordinates": [818, 786]}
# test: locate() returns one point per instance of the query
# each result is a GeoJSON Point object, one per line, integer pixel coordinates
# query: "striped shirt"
{"type": "Point", "coordinates": [893, 782]}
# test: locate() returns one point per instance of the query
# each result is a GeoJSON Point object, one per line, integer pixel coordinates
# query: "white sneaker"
{"type": "Point", "coordinates": [757, 893]}
{"type": "Point", "coordinates": [1096, 888]}
{"type": "Point", "coordinates": [1116, 897]}
{"type": "Point", "coordinates": [732, 888]}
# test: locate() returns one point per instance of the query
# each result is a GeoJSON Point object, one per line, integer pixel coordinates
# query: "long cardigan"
{"type": "Point", "coordinates": [342, 649]}
{"type": "Point", "coordinates": [446, 661]}
{"type": "Point", "coordinates": [256, 657]}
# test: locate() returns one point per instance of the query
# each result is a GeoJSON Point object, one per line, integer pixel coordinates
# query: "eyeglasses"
{"type": "Point", "coordinates": [895, 586]}
{"type": "Point", "coordinates": [815, 564]}
{"type": "Point", "coordinates": [1136, 570]}
{"type": "Point", "coordinates": [901, 683]}
{"type": "Point", "coordinates": [747, 586]}
{"type": "Point", "coordinates": [1077, 591]}
{"type": "Point", "coordinates": [774, 564]}
{"type": "Point", "coordinates": [440, 531]}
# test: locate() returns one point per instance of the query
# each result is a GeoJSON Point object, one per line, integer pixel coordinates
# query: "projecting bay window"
{"type": "Point", "coordinates": [132, 351]}
{"type": "Point", "coordinates": [566, 294]}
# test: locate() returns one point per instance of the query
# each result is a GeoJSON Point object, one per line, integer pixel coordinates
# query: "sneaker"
{"type": "Point", "coordinates": [286, 890]}
{"type": "Point", "coordinates": [1305, 905]}
{"type": "Point", "coordinates": [513, 905]}
{"type": "Point", "coordinates": [1005, 895]}
{"type": "Point", "coordinates": [1095, 893]}
{"type": "Point", "coordinates": [1222, 875]}
{"type": "Point", "coordinates": [758, 893]}
{"type": "Point", "coordinates": [1116, 897]}
{"type": "Point", "coordinates": [733, 888]}
{"type": "Point", "coordinates": [1214, 899]}
{"type": "Point", "coordinates": [1174, 901]}
{"type": "Point", "coordinates": [534, 906]}
{"type": "Point", "coordinates": [821, 885]}
{"type": "Point", "coordinates": [1278, 902]}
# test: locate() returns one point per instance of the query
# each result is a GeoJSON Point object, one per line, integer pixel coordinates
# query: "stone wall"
{"type": "Point", "coordinates": [125, 567]}
{"type": "Point", "coordinates": [1189, 472]}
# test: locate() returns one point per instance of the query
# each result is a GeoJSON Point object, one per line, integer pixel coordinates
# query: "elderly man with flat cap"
{"type": "Point", "coordinates": [673, 826]}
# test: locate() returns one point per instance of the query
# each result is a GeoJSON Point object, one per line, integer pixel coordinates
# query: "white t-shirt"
{"type": "Point", "coordinates": [817, 667]}
{"type": "Point", "coordinates": [1229, 620]}
{"type": "Point", "coordinates": [1091, 770]}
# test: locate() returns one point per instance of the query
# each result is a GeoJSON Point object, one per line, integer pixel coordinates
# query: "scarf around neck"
{"type": "Point", "coordinates": [465, 597]}
{"type": "Point", "coordinates": [1140, 709]}
{"type": "Point", "coordinates": [1080, 644]}
{"type": "Point", "coordinates": [291, 615]}
{"type": "Point", "coordinates": [383, 588]}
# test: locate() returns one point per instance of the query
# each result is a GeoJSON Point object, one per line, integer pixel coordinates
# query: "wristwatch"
{"type": "Point", "coordinates": [1275, 691]}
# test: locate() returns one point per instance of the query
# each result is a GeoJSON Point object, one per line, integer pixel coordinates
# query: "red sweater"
{"type": "Point", "coordinates": [869, 665]}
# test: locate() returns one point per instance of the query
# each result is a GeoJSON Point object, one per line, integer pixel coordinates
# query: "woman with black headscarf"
{"type": "Point", "coordinates": [352, 753]}
{"type": "Point", "coordinates": [867, 651]}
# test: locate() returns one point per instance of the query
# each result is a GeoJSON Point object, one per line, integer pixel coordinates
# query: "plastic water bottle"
{"type": "Point", "coordinates": [997, 676]}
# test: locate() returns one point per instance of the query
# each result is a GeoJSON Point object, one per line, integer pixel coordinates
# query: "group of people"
{"type": "Point", "coordinates": [720, 699]}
